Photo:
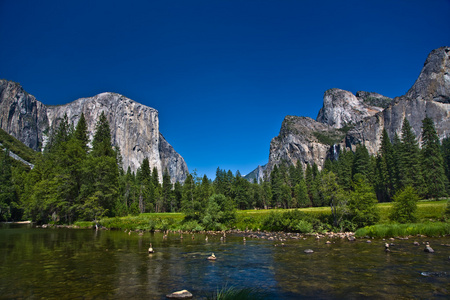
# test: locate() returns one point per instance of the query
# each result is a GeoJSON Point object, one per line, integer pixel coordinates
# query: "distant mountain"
{"type": "Point", "coordinates": [134, 127]}
{"type": "Point", "coordinates": [346, 120]}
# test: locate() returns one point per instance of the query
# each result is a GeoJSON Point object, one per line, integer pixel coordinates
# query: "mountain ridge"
{"type": "Point", "coordinates": [134, 126]}
{"type": "Point", "coordinates": [363, 116]}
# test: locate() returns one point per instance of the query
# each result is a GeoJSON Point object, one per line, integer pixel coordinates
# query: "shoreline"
{"type": "Point", "coordinates": [252, 234]}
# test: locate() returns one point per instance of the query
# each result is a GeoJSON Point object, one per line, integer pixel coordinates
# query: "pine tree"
{"type": "Point", "coordinates": [7, 191]}
{"type": "Point", "coordinates": [432, 161]}
{"type": "Point", "coordinates": [410, 170]}
{"type": "Point", "coordinates": [101, 144]}
{"type": "Point", "coordinates": [276, 184]}
{"type": "Point", "coordinates": [166, 190]}
{"type": "Point", "coordinates": [445, 149]}
{"type": "Point", "coordinates": [81, 132]}
{"type": "Point", "coordinates": [362, 163]}
{"type": "Point", "coordinates": [344, 169]}
{"type": "Point", "coordinates": [363, 203]}
{"type": "Point", "coordinates": [333, 195]}
{"type": "Point", "coordinates": [386, 166]}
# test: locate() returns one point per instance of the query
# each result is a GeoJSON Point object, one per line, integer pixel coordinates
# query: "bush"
{"type": "Point", "coordinates": [405, 206]}
{"type": "Point", "coordinates": [303, 227]}
{"type": "Point", "coordinates": [192, 226]}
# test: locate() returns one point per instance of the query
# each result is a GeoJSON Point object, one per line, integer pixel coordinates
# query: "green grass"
{"type": "Point", "coordinates": [393, 230]}
{"type": "Point", "coordinates": [146, 221]}
{"type": "Point", "coordinates": [429, 214]}
{"type": "Point", "coordinates": [426, 211]}
{"type": "Point", "coordinates": [84, 224]}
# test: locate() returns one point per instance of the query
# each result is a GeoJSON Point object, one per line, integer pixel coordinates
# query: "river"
{"type": "Point", "coordinates": [38, 263]}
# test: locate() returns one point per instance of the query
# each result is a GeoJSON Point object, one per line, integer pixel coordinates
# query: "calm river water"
{"type": "Point", "coordinates": [40, 263]}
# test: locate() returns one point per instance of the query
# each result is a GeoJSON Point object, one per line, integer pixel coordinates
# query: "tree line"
{"type": "Point", "coordinates": [73, 180]}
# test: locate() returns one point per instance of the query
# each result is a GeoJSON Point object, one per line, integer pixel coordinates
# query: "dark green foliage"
{"type": "Point", "coordinates": [68, 183]}
{"type": "Point", "coordinates": [8, 196]}
{"type": "Point", "coordinates": [432, 161]}
{"type": "Point", "coordinates": [405, 205]}
{"type": "Point", "coordinates": [362, 163]}
{"type": "Point", "coordinates": [344, 169]}
{"type": "Point", "coordinates": [81, 133]}
{"type": "Point", "coordinates": [409, 161]}
{"type": "Point", "coordinates": [333, 195]}
{"type": "Point", "coordinates": [445, 149]}
{"type": "Point", "coordinates": [386, 173]}
{"type": "Point", "coordinates": [101, 144]}
{"type": "Point", "coordinates": [219, 212]}
{"type": "Point", "coordinates": [362, 209]}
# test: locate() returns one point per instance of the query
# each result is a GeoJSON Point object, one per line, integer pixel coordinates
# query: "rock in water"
{"type": "Point", "coordinates": [184, 294]}
{"type": "Point", "coordinates": [428, 249]}
{"type": "Point", "coordinates": [309, 251]}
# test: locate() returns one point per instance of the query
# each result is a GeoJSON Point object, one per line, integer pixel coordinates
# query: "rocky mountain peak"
{"type": "Point", "coordinates": [134, 126]}
{"type": "Point", "coordinates": [433, 82]}
{"type": "Point", "coordinates": [342, 108]}
{"type": "Point", "coordinates": [346, 120]}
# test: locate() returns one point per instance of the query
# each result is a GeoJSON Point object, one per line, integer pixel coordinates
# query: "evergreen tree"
{"type": "Point", "coordinates": [205, 189]}
{"type": "Point", "coordinates": [309, 179]}
{"type": "Point", "coordinates": [445, 149]}
{"type": "Point", "coordinates": [7, 192]}
{"type": "Point", "coordinates": [81, 132]}
{"type": "Point", "coordinates": [432, 161]}
{"type": "Point", "coordinates": [386, 169]}
{"type": "Point", "coordinates": [362, 205]}
{"type": "Point", "coordinates": [266, 195]}
{"type": "Point", "coordinates": [333, 195]}
{"type": "Point", "coordinates": [410, 170]}
{"type": "Point", "coordinates": [166, 191]}
{"type": "Point", "coordinates": [276, 186]}
{"type": "Point", "coordinates": [101, 144]}
{"type": "Point", "coordinates": [189, 202]}
{"type": "Point", "coordinates": [344, 169]}
{"type": "Point", "coordinates": [362, 163]}
{"type": "Point", "coordinates": [241, 187]}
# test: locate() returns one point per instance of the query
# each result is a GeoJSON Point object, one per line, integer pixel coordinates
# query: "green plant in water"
{"type": "Point", "coordinates": [234, 293]}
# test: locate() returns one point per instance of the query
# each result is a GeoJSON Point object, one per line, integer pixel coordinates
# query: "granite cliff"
{"type": "Point", "coordinates": [134, 127]}
{"type": "Point", "coordinates": [347, 120]}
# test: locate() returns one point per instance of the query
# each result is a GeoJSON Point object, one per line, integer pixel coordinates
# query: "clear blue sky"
{"type": "Point", "coordinates": [222, 74]}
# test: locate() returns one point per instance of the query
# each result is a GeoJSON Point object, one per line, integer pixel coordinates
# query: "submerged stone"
{"type": "Point", "coordinates": [184, 294]}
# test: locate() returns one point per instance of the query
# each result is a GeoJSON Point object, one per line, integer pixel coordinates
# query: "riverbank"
{"type": "Point", "coordinates": [306, 222]}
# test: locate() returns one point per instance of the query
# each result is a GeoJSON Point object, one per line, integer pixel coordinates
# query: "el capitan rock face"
{"type": "Point", "coordinates": [21, 115]}
{"type": "Point", "coordinates": [360, 119]}
{"type": "Point", "coordinates": [134, 127]}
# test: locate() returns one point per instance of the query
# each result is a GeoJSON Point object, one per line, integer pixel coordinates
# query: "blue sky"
{"type": "Point", "coordinates": [222, 74]}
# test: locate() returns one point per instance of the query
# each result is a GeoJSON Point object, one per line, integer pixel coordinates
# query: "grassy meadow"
{"type": "Point", "coordinates": [430, 216]}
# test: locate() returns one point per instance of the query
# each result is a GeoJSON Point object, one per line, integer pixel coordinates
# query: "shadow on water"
{"type": "Point", "coordinates": [68, 263]}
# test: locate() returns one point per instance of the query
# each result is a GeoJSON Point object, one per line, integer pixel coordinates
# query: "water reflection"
{"type": "Point", "coordinates": [67, 263]}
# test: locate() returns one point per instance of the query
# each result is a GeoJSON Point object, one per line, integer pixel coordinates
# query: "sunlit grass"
{"type": "Point", "coordinates": [393, 230]}
{"type": "Point", "coordinates": [427, 212]}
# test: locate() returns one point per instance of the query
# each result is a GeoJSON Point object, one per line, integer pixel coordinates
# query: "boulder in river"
{"type": "Point", "coordinates": [184, 294]}
{"type": "Point", "coordinates": [308, 251]}
{"type": "Point", "coordinates": [428, 249]}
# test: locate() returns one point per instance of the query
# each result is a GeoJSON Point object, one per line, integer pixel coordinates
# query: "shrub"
{"type": "Point", "coordinates": [303, 227]}
{"type": "Point", "coordinates": [405, 206]}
